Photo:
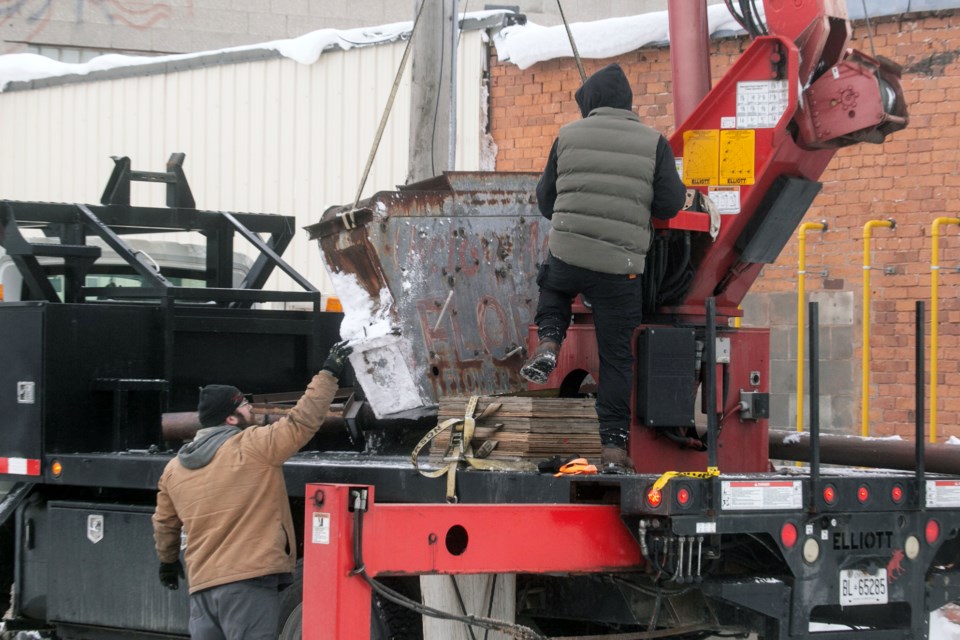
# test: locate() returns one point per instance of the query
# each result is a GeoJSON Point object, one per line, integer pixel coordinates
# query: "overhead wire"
{"type": "Point", "coordinates": [386, 111]}
{"type": "Point", "coordinates": [573, 44]}
{"type": "Point", "coordinates": [866, 15]}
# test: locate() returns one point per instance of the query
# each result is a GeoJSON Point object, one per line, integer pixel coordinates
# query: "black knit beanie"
{"type": "Point", "coordinates": [217, 401]}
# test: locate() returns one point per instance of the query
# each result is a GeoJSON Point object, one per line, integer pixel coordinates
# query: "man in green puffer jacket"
{"type": "Point", "coordinates": [606, 175]}
{"type": "Point", "coordinates": [226, 492]}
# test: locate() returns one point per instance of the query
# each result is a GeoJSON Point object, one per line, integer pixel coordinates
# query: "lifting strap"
{"type": "Point", "coordinates": [662, 481]}
{"type": "Point", "coordinates": [460, 450]}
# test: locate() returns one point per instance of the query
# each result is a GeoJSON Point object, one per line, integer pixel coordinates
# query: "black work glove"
{"type": "Point", "coordinates": [170, 574]}
{"type": "Point", "coordinates": [337, 358]}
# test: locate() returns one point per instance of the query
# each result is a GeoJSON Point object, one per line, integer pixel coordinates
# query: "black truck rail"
{"type": "Point", "coordinates": [115, 217]}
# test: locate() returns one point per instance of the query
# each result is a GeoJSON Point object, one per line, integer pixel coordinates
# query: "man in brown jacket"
{"type": "Point", "coordinates": [225, 491]}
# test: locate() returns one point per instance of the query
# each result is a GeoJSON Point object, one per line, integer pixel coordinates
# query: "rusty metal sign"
{"type": "Point", "coordinates": [438, 283]}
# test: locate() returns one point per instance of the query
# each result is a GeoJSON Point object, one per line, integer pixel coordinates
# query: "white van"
{"type": "Point", "coordinates": [183, 264]}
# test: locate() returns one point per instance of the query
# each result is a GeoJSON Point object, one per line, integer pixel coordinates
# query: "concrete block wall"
{"type": "Point", "coordinates": [914, 177]}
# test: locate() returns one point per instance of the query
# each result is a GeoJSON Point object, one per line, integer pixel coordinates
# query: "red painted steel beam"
{"type": "Point", "coordinates": [410, 539]}
{"type": "Point", "coordinates": [689, 55]}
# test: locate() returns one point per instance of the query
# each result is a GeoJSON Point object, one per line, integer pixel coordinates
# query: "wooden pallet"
{"type": "Point", "coordinates": [532, 428]}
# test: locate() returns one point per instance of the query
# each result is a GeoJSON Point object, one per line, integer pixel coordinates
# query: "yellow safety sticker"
{"type": "Point", "coordinates": [737, 148]}
{"type": "Point", "coordinates": [701, 152]}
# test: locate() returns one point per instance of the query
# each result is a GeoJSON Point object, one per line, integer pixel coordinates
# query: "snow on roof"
{"type": "Point", "coordinates": [306, 49]}
{"type": "Point", "coordinates": [521, 44]}
{"type": "Point", "coordinates": [526, 45]}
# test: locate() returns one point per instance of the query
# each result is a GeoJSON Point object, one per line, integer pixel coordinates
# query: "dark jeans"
{"type": "Point", "coordinates": [617, 306]}
{"type": "Point", "coordinates": [243, 610]}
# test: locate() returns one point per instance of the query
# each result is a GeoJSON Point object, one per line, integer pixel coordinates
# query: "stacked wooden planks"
{"type": "Point", "coordinates": [530, 428]}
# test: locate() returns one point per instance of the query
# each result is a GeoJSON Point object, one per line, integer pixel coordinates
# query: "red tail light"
{"type": "Point", "coordinates": [829, 494]}
{"type": "Point", "coordinates": [654, 498]}
{"type": "Point", "coordinates": [788, 534]}
{"type": "Point", "coordinates": [896, 494]}
{"type": "Point", "coordinates": [933, 531]}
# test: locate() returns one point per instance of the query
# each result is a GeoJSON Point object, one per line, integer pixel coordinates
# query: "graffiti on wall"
{"type": "Point", "coordinates": [34, 16]}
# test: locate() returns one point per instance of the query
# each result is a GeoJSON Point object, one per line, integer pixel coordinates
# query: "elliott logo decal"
{"type": "Point", "coordinates": [854, 540]}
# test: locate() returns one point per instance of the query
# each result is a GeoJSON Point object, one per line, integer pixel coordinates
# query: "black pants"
{"type": "Point", "coordinates": [617, 305]}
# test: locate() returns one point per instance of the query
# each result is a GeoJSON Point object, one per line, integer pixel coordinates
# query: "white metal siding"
{"type": "Point", "coordinates": [270, 136]}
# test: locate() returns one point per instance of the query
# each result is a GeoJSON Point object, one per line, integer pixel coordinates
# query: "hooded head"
{"type": "Point", "coordinates": [217, 402]}
{"type": "Point", "coordinates": [608, 87]}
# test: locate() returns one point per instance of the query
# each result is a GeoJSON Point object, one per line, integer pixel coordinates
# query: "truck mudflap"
{"type": "Point", "coordinates": [438, 284]}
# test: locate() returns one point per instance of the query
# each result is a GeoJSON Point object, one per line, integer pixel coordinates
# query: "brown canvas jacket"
{"type": "Point", "coordinates": [235, 511]}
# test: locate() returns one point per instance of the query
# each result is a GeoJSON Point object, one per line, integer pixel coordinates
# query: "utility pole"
{"type": "Point", "coordinates": [432, 99]}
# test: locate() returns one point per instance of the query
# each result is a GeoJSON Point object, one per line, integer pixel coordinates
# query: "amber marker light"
{"type": "Point", "coordinates": [56, 468]}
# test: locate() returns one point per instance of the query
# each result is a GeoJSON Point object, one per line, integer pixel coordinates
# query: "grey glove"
{"type": "Point", "coordinates": [170, 574]}
{"type": "Point", "coordinates": [337, 358]}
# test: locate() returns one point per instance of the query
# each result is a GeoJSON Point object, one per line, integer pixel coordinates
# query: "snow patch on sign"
{"type": "Point", "coordinates": [363, 316]}
{"type": "Point", "coordinates": [382, 359]}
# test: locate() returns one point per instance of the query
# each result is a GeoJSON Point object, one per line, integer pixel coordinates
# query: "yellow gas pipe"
{"type": "Point", "coordinates": [934, 309]}
{"type": "Point", "coordinates": [801, 277]}
{"type": "Point", "coordinates": [865, 365]}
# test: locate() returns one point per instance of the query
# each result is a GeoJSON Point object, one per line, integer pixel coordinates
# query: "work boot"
{"type": "Point", "coordinates": [615, 460]}
{"type": "Point", "coordinates": [538, 368]}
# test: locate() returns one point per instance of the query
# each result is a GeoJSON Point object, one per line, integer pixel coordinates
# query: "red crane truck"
{"type": "Point", "coordinates": [706, 539]}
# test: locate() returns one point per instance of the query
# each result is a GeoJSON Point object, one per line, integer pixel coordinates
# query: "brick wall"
{"type": "Point", "coordinates": [913, 178]}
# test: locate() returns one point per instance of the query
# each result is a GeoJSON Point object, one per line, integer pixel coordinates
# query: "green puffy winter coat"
{"type": "Point", "coordinates": [605, 173]}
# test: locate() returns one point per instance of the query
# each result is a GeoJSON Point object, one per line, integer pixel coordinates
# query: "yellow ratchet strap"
{"type": "Point", "coordinates": [461, 451]}
{"type": "Point", "coordinates": [662, 481]}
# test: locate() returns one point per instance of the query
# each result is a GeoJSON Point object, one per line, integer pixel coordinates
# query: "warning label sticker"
{"type": "Point", "coordinates": [701, 153]}
{"type": "Point", "coordinates": [761, 103]}
{"type": "Point", "coordinates": [321, 528]}
{"type": "Point", "coordinates": [943, 493]}
{"type": "Point", "coordinates": [747, 495]}
{"type": "Point", "coordinates": [727, 199]}
{"type": "Point", "coordinates": [737, 156]}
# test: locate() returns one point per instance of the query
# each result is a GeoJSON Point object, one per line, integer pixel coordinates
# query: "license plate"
{"type": "Point", "coordinates": [859, 587]}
